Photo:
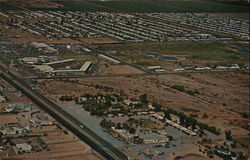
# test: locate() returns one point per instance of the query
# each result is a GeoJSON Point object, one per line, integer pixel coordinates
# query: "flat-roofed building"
{"type": "Point", "coordinates": [2, 99]}
{"type": "Point", "coordinates": [44, 68]}
{"type": "Point", "coordinates": [60, 62]}
{"type": "Point", "coordinates": [86, 66]}
{"type": "Point", "coordinates": [44, 46]}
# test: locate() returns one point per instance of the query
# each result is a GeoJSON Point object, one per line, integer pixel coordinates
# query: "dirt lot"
{"type": "Point", "coordinates": [120, 69]}
{"type": "Point", "coordinates": [98, 40]}
{"type": "Point", "coordinates": [8, 119]}
{"type": "Point", "coordinates": [36, 3]}
{"type": "Point", "coordinates": [45, 40]}
{"type": "Point", "coordinates": [191, 153]}
{"type": "Point", "coordinates": [193, 157]}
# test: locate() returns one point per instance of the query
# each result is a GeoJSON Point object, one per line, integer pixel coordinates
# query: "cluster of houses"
{"type": "Point", "coordinates": [44, 47]}
{"type": "Point", "coordinates": [226, 153]}
{"type": "Point", "coordinates": [230, 67]}
{"type": "Point", "coordinates": [132, 138]}
{"type": "Point", "coordinates": [156, 68]}
{"type": "Point", "coordinates": [151, 138]}
{"type": "Point", "coordinates": [16, 129]}
{"type": "Point", "coordinates": [123, 27]}
{"type": "Point", "coordinates": [174, 124]}
{"type": "Point", "coordinates": [16, 108]}
{"type": "Point", "coordinates": [210, 22]}
{"type": "Point", "coordinates": [40, 119]}
{"type": "Point", "coordinates": [2, 99]}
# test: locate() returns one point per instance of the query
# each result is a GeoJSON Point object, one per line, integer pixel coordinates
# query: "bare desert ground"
{"type": "Point", "coordinates": [222, 96]}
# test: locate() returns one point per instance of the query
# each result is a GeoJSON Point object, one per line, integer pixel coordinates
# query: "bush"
{"type": "Point", "coordinates": [178, 88]}
{"type": "Point", "coordinates": [66, 98]}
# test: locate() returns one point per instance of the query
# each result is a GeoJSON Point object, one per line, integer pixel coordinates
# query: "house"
{"type": "Point", "coordinates": [149, 141]}
{"type": "Point", "coordinates": [175, 118]}
{"type": "Point", "coordinates": [179, 69]}
{"type": "Point", "coordinates": [20, 145]}
{"type": "Point", "coordinates": [2, 99]}
{"type": "Point", "coordinates": [155, 140]}
{"type": "Point", "coordinates": [150, 106]}
{"type": "Point", "coordinates": [15, 130]}
{"type": "Point", "coordinates": [130, 102]}
{"type": "Point", "coordinates": [8, 131]}
{"type": "Point", "coordinates": [27, 108]}
{"type": "Point", "coordinates": [2, 148]}
{"type": "Point", "coordinates": [1, 87]}
{"type": "Point", "coordinates": [10, 108]}
{"type": "Point", "coordinates": [29, 60]}
{"type": "Point", "coordinates": [123, 134]}
{"type": "Point", "coordinates": [23, 148]}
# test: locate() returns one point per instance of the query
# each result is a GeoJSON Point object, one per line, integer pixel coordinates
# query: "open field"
{"type": "Point", "coordinates": [79, 6]}
{"type": "Point", "coordinates": [32, 38]}
{"type": "Point", "coordinates": [190, 52]}
{"type": "Point", "coordinates": [98, 40]}
{"type": "Point", "coordinates": [119, 69]}
{"type": "Point", "coordinates": [5, 6]}
{"type": "Point", "coordinates": [128, 6]}
{"type": "Point", "coordinates": [58, 144]}
{"type": "Point", "coordinates": [205, 6]}
{"type": "Point", "coordinates": [139, 6]}
{"type": "Point", "coordinates": [172, 6]}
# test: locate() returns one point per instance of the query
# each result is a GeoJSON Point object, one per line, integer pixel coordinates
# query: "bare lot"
{"type": "Point", "coordinates": [217, 94]}
{"type": "Point", "coordinates": [120, 69]}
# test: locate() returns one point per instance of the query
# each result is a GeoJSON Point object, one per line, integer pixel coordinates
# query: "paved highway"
{"type": "Point", "coordinates": [93, 140]}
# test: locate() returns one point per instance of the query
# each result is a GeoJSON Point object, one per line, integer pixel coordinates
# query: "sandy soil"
{"type": "Point", "coordinates": [191, 153]}
{"type": "Point", "coordinates": [45, 40]}
{"type": "Point", "coordinates": [193, 157]}
{"type": "Point", "coordinates": [37, 3]}
{"type": "Point", "coordinates": [120, 69]}
{"type": "Point", "coordinates": [98, 40]}
{"type": "Point", "coordinates": [59, 143]}
{"type": "Point", "coordinates": [4, 119]}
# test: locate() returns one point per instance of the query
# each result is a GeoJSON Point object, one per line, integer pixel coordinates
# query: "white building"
{"type": "Point", "coordinates": [2, 99]}
{"type": "Point", "coordinates": [23, 147]}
